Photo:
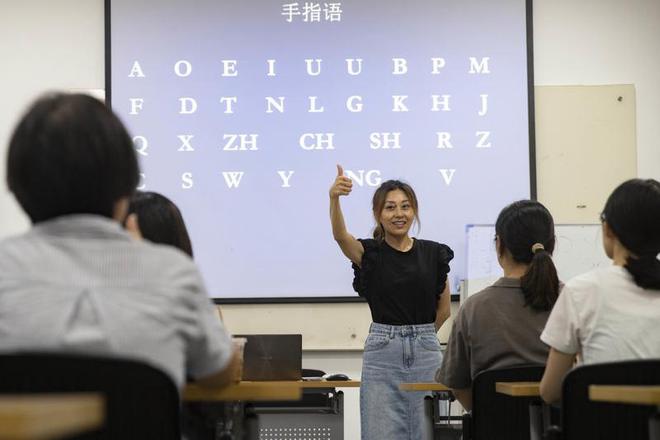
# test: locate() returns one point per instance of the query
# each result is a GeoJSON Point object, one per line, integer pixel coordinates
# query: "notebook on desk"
{"type": "Point", "coordinates": [272, 357]}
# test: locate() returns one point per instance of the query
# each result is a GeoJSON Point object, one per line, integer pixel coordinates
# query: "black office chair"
{"type": "Point", "coordinates": [583, 419]}
{"type": "Point", "coordinates": [141, 401]}
{"type": "Point", "coordinates": [495, 416]}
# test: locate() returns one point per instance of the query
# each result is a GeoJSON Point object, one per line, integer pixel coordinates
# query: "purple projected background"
{"type": "Point", "coordinates": [266, 233]}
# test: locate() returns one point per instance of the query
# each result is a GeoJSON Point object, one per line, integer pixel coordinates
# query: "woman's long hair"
{"type": "Point", "coordinates": [160, 220]}
{"type": "Point", "coordinates": [519, 227]}
{"type": "Point", "coordinates": [633, 214]}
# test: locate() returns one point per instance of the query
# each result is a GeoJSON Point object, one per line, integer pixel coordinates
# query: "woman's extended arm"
{"type": "Point", "coordinates": [348, 244]}
{"type": "Point", "coordinates": [444, 307]}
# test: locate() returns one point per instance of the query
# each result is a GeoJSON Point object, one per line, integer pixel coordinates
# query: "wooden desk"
{"type": "Point", "coordinates": [307, 384]}
{"type": "Point", "coordinates": [49, 416]}
{"type": "Point", "coordinates": [428, 386]}
{"type": "Point", "coordinates": [245, 390]}
{"type": "Point", "coordinates": [261, 391]}
{"type": "Point", "coordinates": [518, 389]}
{"type": "Point", "coordinates": [231, 415]}
{"type": "Point", "coordinates": [632, 394]}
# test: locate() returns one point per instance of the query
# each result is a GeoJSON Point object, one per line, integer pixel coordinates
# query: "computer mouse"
{"type": "Point", "coordinates": [338, 376]}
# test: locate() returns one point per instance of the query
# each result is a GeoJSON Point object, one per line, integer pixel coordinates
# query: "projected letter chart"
{"type": "Point", "coordinates": [240, 110]}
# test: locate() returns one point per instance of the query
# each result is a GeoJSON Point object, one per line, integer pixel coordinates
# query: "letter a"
{"type": "Point", "coordinates": [136, 71]}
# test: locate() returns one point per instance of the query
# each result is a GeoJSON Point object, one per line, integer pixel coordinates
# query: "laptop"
{"type": "Point", "coordinates": [272, 357]}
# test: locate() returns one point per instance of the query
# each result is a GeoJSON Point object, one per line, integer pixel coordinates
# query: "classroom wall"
{"type": "Point", "coordinates": [43, 45]}
{"type": "Point", "coordinates": [60, 45]}
{"type": "Point", "coordinates": [591, 42]}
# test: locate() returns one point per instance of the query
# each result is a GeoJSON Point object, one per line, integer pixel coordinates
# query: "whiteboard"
{"type": "Point", "coordinates": [579, 249]}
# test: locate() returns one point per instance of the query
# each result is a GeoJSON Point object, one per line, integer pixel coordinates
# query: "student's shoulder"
{"type": "Point", "coordinates": [590, 283]}
{"type": "Point", "coordinates": [592, 277]}
{"type": "Point", "coordinates": [9, 244]}
{"type": "Point", "coordinates": [475, 305]}
{"type": "Point", "coordinates": [171, 271]}
{"type": "Point", "coordinates": [163, 257]}
{"type": "Point", "coordinates": [22, 249]}
{"type": "Point", "coordinates": [478, 300]}
{"type": "Point", "coordinates": [159, 264]}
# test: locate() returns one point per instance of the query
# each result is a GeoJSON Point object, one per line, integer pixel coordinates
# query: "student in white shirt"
{"type": "Point", "coordinates": [611, 314]}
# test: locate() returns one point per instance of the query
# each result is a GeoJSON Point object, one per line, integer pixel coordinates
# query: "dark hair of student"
{"type": "Point", "coordinates": [633, 213]}
{"type": "Point", "coordinates": [70, 154]}
{"type": "Point", "coordinates": [160, 220]}
{"type": "Point", "coordinates": [380, 196]}
{"type": "Point", "coordinates": [521, 228]}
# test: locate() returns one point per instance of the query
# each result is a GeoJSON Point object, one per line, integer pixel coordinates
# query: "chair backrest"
{"type": "Point", "coordinates": [141, 401]}
{"type": "Point", "coordinates": [496, 416]}
{"type": "Point", "coordinates": [582, 418]}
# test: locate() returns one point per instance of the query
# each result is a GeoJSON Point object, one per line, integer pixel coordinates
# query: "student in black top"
{"type": "Point", "coordinates": [404, 280]}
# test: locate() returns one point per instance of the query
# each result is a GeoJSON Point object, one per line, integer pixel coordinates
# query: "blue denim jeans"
{"type": "Point", "coordinates": [393, 355]}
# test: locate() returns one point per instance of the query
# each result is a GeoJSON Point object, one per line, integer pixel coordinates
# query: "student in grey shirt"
{"type": "Point", "coordinates": [76, 282]}
{"type": "Point", "coordinates": [500, 326]}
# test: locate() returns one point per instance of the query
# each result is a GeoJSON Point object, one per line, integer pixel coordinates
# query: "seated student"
{"type": "Point", "coordinates": [500, 326]}
{"type": "Point", "coordinates": [611, 314]}
{"type": "Point", "coordinates": [156, 218]}
{"type": "Point", "coordinates": [76, 282]}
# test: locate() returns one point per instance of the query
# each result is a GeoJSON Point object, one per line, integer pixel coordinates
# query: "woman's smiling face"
{"type": "Point", "coordinates": [398, 214]}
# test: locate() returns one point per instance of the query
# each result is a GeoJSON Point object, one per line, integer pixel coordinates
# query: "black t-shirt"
{"type": "Point", "coordinates": [402, 288]}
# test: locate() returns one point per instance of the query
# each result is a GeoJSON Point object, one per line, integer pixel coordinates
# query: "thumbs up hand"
{"type": "Point", "coordinates": [342, 185]}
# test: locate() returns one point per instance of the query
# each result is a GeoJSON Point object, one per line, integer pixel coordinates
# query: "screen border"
{"type": "Point", "coordinates": [349, 299]}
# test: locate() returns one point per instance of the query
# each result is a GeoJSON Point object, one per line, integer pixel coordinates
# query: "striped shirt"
{"type": "Point", "coordinates": [81, 284]}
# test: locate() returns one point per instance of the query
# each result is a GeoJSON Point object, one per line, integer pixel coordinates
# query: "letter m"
{"type": "Point", "coordinates": [479, 66]}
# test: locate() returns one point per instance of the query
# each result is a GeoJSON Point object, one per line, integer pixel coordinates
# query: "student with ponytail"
{"type": "Point", "coordinates": [500, 326]}
{"type": "Point", "coordinates": [611, 314]}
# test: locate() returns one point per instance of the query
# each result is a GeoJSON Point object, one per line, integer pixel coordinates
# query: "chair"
{"type": "Point", "coordinates": [583, 419]}
{"type": "Point", "coordinates": [142, 402]}
{"type": "Point", "coordinates": [495, 416]}
{"type": "Point", "coordinates": [438, 419]}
